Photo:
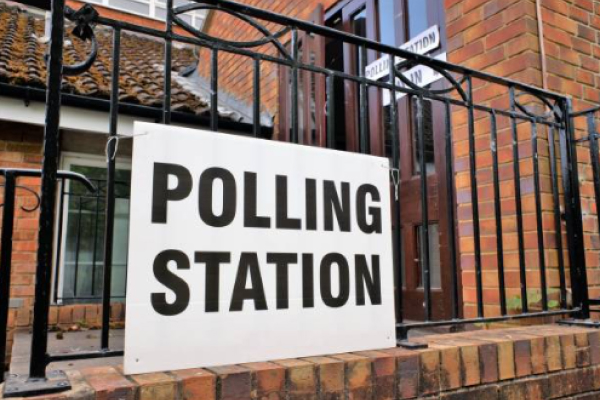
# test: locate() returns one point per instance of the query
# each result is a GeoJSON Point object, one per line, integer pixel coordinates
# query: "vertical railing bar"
{"type": "Point", "coordinates": [450, 179]}
{"type": "Point", "coordinates": [256, 106]}
{"type": "Point", "coordinates": [498, 213]}
{"type": "Point", "coordinates": [593, 137]}
{"type": "Point", "coordinates": [168, 63]}
{"type": "Point", "coordinates": [362, 102]}
{"type": "Point", "coordinates": [61, 216]}
{"type": "Point", "coordinates": [305, 77]}
{"type": "Point", "coordinates": [397, 250]}
{"type": "Point", "coordinates": [557, 219]}
{"type": "Point", "coordinates": [577, 264]}
{"type": "Point", "coordinates": [94, 250]}
{"type": "Point", "coordinates": [330, 111]}
{"type": "Point", "coordinates": [538, 214]}
{"type": "Point", "coordinates": [294, 93]}
{"type": "Point", "coordinates": [109, 213]}
{"type": "Point", "coordinates": [43, 283]}
{"type": "Point", "coordinates": [77, 245]}
{"type": "Point", "coordinates": [424, 232]}
{"type": "Point", "coordinates": [475, 200]}
{"type": "Point", "coordinates": [518, 204]}
{"type": "Point", "coordinates": [8, 214]}
{"type": "Point", "coordinates": [214, 89]}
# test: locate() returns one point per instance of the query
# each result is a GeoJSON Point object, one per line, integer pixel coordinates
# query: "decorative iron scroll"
{"type": "Point", "coordinates": [553, 109]}
{"type": "Point", "coordinates": [83, 30]}
{"type": "Point", "coordinates": [269, 37]}
{"type": "Point", "coordinates": [455, 84]}
{"type": "Point", "coordinates": [33, 192]}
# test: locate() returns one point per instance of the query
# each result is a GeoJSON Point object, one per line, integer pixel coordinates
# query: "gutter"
{"type": "Point", "coordinates": [28, 93]}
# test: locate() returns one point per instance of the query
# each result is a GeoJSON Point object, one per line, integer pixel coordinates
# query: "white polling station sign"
{"type": "Point", "coordinates": [423, 43]}
{"type": "Point", "coordinates": [247, 250]}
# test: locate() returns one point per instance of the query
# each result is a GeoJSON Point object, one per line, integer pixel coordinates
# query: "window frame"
{"type": "Point", "coordinates": [152, 14]}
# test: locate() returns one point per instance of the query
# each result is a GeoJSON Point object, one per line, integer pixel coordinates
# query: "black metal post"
{"type": "Point", "coordinates": [168, 64]}
{"type": "Point", "coordinates": [498, 213]}
{"type": "Point", "coordinates": [39, 342]}
{"type": "Point", "coordinates": [363, 103]}
{"type": "Point", "coordinates": [538, 213]}
{"type": "Point", "coordinates": [214, 90]}
{"type": "Point", "coordinates": [450, 181]}
{"type": "Point", "coordinates": [256, 94]}
{"type": "Point", "coordinates": [8, 214]}
{"type": "Point", "coordinates": [294, 138]}
{"type": "Point", "coordinates": [424, 232]}
{"type": "Point", "coordinates": [109, 214]}
{"type": "Point", "coordinates": [475, 201]}
{"type": "Point", "coordinates": [593, 138]}
{"type": "Point", "coordinates": [330, 111]}
{"type": "Point", "coordinates": [557, 218]}
{"type": "Point", "coordinates": [395, 174]}
{"type": "Point", "coordinates": [518, 203]}
{"type": "Point", "coordinates": [579, 285]}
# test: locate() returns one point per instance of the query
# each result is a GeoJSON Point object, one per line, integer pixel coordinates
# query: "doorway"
{"type": "Point", "coordinates": [396, 22]}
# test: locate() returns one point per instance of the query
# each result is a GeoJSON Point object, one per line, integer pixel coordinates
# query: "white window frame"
{"type": "Point", "coordinates": [198, 16]}
{"type": "Point", "coordinates": [67, 160]}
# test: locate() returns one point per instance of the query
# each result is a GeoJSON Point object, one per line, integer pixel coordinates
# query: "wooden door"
{"type": "Point", "coordinates": [365, 18]}
{"type": "Point", "coordinates": [312, 128]}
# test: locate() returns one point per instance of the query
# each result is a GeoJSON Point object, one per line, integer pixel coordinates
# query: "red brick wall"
{"type": "Point", "coordinates": [501, 37]}
{"type": "Point", "coordinates": [572, 41]}
{"type": "Point", "coordinates": [235, 72]}
{"type": "Point", "coordinates": [20, 147]}
{"type": "Point", "coordinates": [540, 362]}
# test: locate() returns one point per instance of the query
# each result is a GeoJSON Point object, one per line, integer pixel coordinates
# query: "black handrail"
{"type": "Point", "coordinates": [8, 213]}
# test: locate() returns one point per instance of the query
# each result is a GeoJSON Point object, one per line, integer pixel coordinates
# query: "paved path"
{"type": "Point", "coordinates": [71, 342]}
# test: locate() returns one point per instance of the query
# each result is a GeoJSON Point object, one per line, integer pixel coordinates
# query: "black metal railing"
{"type": "Point", "coordinates": [11, 186]}
{"type": "Point", "coordinates": [585, 138]}
{"type": "Point", "coordinates": [509, 163]}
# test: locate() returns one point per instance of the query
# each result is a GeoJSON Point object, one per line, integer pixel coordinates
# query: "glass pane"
{"type": "Point", "coordinates": [132, 6]}
{"type": "Point", "coordinates": [359, 23]}
{"type": "Point", "coordinates": [160, 13]}
{"type": "Point", "coordinates": [391, 22]}
{"type": "Point", "coordinates": [417, 17]}
{"type": "Point", "coordinates": [84, 236]}
{"type": "Point", "coordinates": [434, 256]}
{"type": "Point", "coordinates": [427, 135]}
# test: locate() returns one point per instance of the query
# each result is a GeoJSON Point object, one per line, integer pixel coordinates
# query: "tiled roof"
{"type": "Point", "coordinates": [141, 80]}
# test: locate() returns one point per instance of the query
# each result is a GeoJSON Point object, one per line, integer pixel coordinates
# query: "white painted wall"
{"type": "Point", "coordinates": [81, 119]}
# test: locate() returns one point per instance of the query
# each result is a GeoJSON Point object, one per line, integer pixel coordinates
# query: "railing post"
{"type": "Point", "coordinates": [8, 214]}
{"type": "Point", "coordinates": [39, 343]}
{"type": "Point", "coordinates": [109, 214]}
{"type": "Point", "coordinates": [574, 221]}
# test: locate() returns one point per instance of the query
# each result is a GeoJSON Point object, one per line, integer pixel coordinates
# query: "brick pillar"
{"type": "Point", "coordinates": [500, 37]}
{"type": "Point", "coordinates": [572, 38]}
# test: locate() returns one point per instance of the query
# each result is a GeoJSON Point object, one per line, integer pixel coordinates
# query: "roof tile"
{"type": "Point", "coordinates": [22, 63]}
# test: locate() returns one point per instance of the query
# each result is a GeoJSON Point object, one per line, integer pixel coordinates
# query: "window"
{"type": "Point", "coordinates": [399, 22]}
{"type": "Point", "coordinates": [81, 234]}
{"type": "Point", "coordinates": [155, 9]}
